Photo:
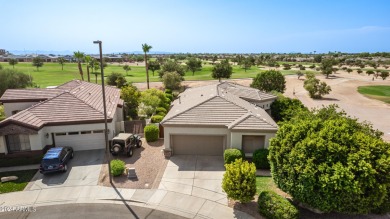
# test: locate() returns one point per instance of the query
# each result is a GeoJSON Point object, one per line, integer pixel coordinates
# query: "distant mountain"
{"type": "Point", "coordinates": [67, 52]}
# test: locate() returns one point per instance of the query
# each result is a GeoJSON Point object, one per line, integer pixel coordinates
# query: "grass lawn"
{"type": "Point", "coordinates": [50, 74]}
{"type": "Point", "coordinates": [264, 183]}
{"type": "Point", "coordinates": [380, 92]}
{"type": "Point", "coordinates": [24, 177]}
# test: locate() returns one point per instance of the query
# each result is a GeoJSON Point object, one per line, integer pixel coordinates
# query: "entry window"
{"type": "Point", "coordinates": [18, 143]}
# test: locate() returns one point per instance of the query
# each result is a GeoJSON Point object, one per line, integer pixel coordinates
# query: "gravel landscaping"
{"type": "Point", "coordinates": [149, 163]}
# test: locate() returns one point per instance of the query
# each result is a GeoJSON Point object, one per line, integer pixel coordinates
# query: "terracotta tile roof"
{"type": "Point", "coordinates": [222, 105]}
{"type": "Point", "coordinates": [82, 104]}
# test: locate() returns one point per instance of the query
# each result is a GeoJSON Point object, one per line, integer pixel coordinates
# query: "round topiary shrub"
{"type": "Point", "coordinates": [151, 133]}
{"type": "Point", "coordinates": [117, 167]}
{"type": "Point", "coordinates": [161, 110]}
{"type": "Point", "coordinates": [331, 162]}
{"type": "Point", "coordinates": [157, 119]}
{"type": "Point", "coordinates": [260, 158]}
{"type": "Point", "coordinates": [273, 206]}
{"type": "Point", "coordinates": [230, 155]}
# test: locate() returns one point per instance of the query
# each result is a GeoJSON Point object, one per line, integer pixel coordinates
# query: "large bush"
{"type": "Point", "coordinates": [284, 108]}
{"type": "Point", "coordinates": [161, 110]}
{"type": "Point", "coordinates": [239, 180]}
{"type": "Point", "coordinates": [172, 80]}
{"type": "Point", "coordinates": [12, 79]}
{"type": "Point", "coordinates": [151, 133]}
{"type": "Point", "coordinates": [157, 118]}
{"type": "Point", "coordinates": [116, 79]}
{"type": "Point", "coordinates": [270, 80]}
{"type": "Point", "coordinates": [273, 206]}
{"type": "Point", "coordinates": [117, 167]}
{"type": "Point", "coordinates": [331, 162]}
{"type": "Point", "coordinates": [260, 158]}
{"type": "Point", "coordinates": [230, 155]}
{"type": "Point", "coordinates": [315, 87]}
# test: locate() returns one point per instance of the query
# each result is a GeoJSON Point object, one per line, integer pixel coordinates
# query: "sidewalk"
{"type": "Point", "coordinates": [17, 168]}
{"type": "Point", "coordinates": [172, 202]}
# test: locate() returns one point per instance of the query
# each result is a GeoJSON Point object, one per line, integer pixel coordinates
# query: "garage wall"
{"type": "Point", "coordinates": [237, 138]}
{"type": "Point", "coordinates": [9, 107]}
{"type": "Point", "coordinates": [168, 131]}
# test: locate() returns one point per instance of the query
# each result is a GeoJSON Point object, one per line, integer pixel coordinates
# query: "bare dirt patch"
{"type": "Point", "coordinates": [149, 163]}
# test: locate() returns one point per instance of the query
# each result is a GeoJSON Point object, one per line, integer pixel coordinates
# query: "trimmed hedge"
{"type": "Point", "coordinates": [274, 206]}
{"type": "Point", "coordinates": [260, 159]}
{"type": "Point", "coordinates": [157, 118]}
{"type": "Point", "coordinates": [169, 96]}
{"type": "Point", "coordinates": [230, 155]}
{"type": "Point", "coordinates": [168, 91]}
{"type": "Point", "coordinates": [162, 114]}
{"type": "Point", "coordinates": [117, 167]}
{"type": "Point", "coordinates": [161, 110]}
{"type": "Point", "coordinates": [151, 133]}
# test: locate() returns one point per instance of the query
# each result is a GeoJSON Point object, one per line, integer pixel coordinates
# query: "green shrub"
{"type": "Point", "coordinates": [161, 114]}
{"type": "Point", "coordinates": [161, 109]}
{"type": "Point", "coordinates": [260, 159]}
{"type": "Point", "coordinates": [273, 206]}
{"type": "Point", "coordinates": [151, 133]}
{"type": "Point", "coordinates": [239, 180]}
{"type": "Point", "coordinates": [230, 155]}
{"type": "Point", "coordinates": [157, 118]}
{"type": "Point", "coordinates": [169, 96]}
{"type": "Point", "coordinates": [168, 91]}
{"type": "Point", "coordinates": [117, 167]}
{"type": "Point", "coordinates": [284, 108]}
{"type": "Point", "coordinates": [385, 206]}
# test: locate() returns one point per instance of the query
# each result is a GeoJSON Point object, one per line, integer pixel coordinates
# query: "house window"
{"type": "Point", "coordinates": [60, 133]}
{"type": "Point", "coordinates": [73, 133]}
{"type": "Point", "coordinates": [85, 132]}
{"type": "Point", "coordinates": [18, 143]}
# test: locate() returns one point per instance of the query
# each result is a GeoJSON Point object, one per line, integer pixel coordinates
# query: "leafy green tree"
{"type": "Point", "coordinates": [171, 66]}
{"type": "Point", "coordinates": [327, 66]}
{"type": "Point", "coordinates": [315, 88]}
{"type": "Point", "coordinates": [79, 56]}
{"type": "Point", "coordinates": [12, 79]}
{"type": "Point", "coordinates": [384, 74]}
{"type": "Point", "coordinates": [126, 68]}
{"type": "Point", "coordinates": [222, 70]}
{"type": "Point", "coordinates": [146, 48]}
{"type": "Point", "coordinates": [194, 65]}
{"type": "Point", "coordinates": [331, 162]}
{"type": "Point", "coordinates": [130, 96]}
{"type": "Point", "coordinates": [239, 180]}
{"type": "Point", "coordinates": [246, 64]}
{"type": "Point", "coordinates": [214, 59]}
{"type": "Point", "coordinates": [318, 58]}
{"type": "Point", "coordinates": [116, 79]}
{"type": "Point", "coordinates": [284, 108]}
{"type": "Point", "coordinates": [62, 62]}
{"type": "Point", "coordinates": [13, 62]}
{"type": "Point", "coordinates": [37, 62]}
{"type": "Point", "coordinates": [349, 70]}
{"type": "Point", "coordinates": [359, 71]}
{"type": "Point", "coordinates": [88, 59]}
{"type": "Point", "coordinates": [2, 114]}
{"type": "Point", "coordinates": [370, 72]}
{"type": "Point", "coordinates": [172, 80]}
{"type": "Point", "coordinates": [299, 74]}
{"type": "Point", "coordinates": [268, 81]}
{"type": "Point", "coordinates": [154, 66]}
{"type": "Point", "coordinates": [151, 99]}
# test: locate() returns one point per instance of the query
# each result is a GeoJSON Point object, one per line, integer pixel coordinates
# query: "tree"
{"type": "Point", "coordinates": [222, 70]}
{"type": "Point", "coordinates": [349, 70]}
{"type": "Point", "coordinates": [154, 66]}
{"type": "Point", "coordinates": [130, 95]}
{"type": "Point", "coordinates": [61, 61]}
{"type": "Point", "coordinates": [370, 72]}
{"type": "Point", "coordinates": [37, 62]}
{"type": "Point", "coordinates": [327, 66]}
{"type": "Point", "coordinates": [284, 108]}
{"type": "Point", "coordinates": [126, 68]}
{"type": "Point", "coordinates": [194, 65]}
{"type": "Point", "coordinates": [171, 66]}
{"type": "Point", "coordinates": [268, 81]}
{"type": "Point", "coordinates": [151, 99]}
{"type": "Point", "coordinates": [116, 79]}
{"type": "Point", "coordinates": [146, 48]}
{"type": "Point", "coordinates": [12, 79]}
{"type": "Point", "coordinates": [331, 162]}
{"type": "Point", "coordinates": [88, 59]}
{"type": "Point", "coordinates": [79, 58]}
{"type": "Point", "coordinates": [214, 59]}
{"type": "Point", "coordinates": [95, 65]}
{"type": "Point", "coordinates": [246, 64]}
{"type": "Point", "coordinates": [172, 80]}
{"type": "Point", "coordinates": [13, 62]}
{"type": "Point", "coordinates": [359, 71]}
{"type": "Point", "coordinates": [318, 58]}
{"type": "Point", "coordinates": [239, 180]}
{"type": "Point", "coordinates": [384, 75]}
{"type": "Point", "coordinates": [315, 88]}
{"type": "Point", "coordinates": [299, 74]}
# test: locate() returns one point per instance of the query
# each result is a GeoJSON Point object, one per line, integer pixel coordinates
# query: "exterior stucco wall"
{"type": "Point", "coordinates": [9, 107]}
{"type": "Point", "coordinates": [3, 148]}
{"type": "Point", "coordinates": [265, 105]}
{"type": "Point", "coordinates": [237, 137]}
{"type": "Point", "coordinates": [37, 141]}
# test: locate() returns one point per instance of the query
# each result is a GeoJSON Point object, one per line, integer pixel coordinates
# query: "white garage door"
{"type": "Point", "coordinates": [86, 140]}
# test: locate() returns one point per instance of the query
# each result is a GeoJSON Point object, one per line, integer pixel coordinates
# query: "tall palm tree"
{"type": "Point", "coordinates": [146, 48]}
{"type": "Point", "coordinates": [79, 57]}
{"type": "Point", "coordinates": [88, 59]}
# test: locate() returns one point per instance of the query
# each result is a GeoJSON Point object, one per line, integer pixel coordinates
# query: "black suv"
{"type": "Point", "coordinates": [56, 159]}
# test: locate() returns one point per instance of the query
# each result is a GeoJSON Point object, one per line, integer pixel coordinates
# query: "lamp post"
{"type": "Point", "coordinates": [104, 107]}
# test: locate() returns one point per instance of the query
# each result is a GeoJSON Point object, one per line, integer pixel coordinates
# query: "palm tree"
{"type": "Point", "coordinates": [146, 48]}
{"type": "Point", "coordinates": [79, 57]}
{"type": "Point", "coordinates": [88, 59]}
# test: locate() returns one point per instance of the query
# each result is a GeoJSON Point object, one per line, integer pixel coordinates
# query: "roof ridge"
{"type": "Point", "coordinates": [238, 120]}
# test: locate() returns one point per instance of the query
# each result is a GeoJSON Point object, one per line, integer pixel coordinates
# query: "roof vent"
{"type": "Point", "coordinates": [201, 95]}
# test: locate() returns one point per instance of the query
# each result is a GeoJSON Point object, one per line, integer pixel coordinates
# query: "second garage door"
{"type": "Point", "coordinates": [87, 140]}
{"type": "Point", "coordinates": [197, 145]}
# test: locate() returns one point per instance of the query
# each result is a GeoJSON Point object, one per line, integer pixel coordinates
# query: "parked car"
{"type": "Point", "coordinates": [125, 143]}
{"type": "Point", "coordinates": [56, 160]}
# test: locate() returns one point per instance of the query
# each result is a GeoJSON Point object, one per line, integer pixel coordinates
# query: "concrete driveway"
{"type": "Point", "coordinates": [199, 176]}
{"type": "Point", "coordinates": [83, 169]}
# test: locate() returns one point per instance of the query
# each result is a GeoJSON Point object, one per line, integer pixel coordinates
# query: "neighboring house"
{"type": "Point", "coordinates": [68, 115]}
{"type": "Point", "coordinates": [207, 120]}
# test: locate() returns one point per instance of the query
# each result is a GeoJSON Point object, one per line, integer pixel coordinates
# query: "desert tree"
{"type": "Point", "coordinates": [146, 48]}
{"type": "Point", "coordinates": [194, 65]}
{"type": "Point", "coordinates": [384, 75]}
{"type": "Point", "coordinates": [13, 62]}
{"type": "Point", "coordinates": [327, 66]}
{"type": "Point", "coordinates": [222, 70]}
{"type": "Point", "coordinates": [270, 80]}
{"type": "Point", "coordinates": [126, 68]}
{"type": "Point", "coordinates": [315, 88]}
{"type": "Point", "coordinates": [154, 66]}
{"type": "Point", "coordinates": [37, 62]}
{"type": "Point", "coordinates": [246, 64]}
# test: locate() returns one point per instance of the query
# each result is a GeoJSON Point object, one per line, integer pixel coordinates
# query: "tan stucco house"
{"type": "Point", "coordinates": [68, 115]}
{"type": "Point", "coordinates": [207, 120]}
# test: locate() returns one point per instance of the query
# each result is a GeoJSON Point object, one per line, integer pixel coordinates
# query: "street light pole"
{"type": "Point", "coordinates": [104, 108]}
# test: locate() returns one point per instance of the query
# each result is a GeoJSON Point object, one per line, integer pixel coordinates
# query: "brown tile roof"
{"type": "Point", "coordinates": [219, 104]}
{"type": "Point", "coordinates": [31, 95]}
{"type": "Point", "coordinates": [81, 104]}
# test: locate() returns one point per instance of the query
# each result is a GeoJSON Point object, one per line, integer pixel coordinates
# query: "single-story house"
{"type": "Point", "coordinates": [68, 115]}
{"type": "Point", "coordinates": [209, 119]}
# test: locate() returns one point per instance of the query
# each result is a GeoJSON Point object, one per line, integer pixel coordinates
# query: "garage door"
{"type": "Point", "coordinates": [197, 145]}
{"type": "Point", "coordinates": [250, 143]}
{"type": "Point", "coordinates": [87, 140]}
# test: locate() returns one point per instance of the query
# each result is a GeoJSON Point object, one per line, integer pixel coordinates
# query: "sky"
{"type": "Point", "coordinates": [197, 26]}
